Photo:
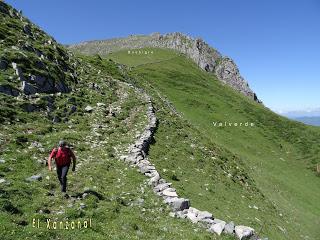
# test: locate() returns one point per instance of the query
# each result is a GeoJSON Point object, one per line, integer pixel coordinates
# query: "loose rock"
{"type": "Point", "coordinates": [180, 204]}
{"type": "Point", "coordinates": [88, 109]}
{"type": "Point", "coordinates": [217, 228]}
{"type": "Point", "coordinates": [170, 192]}
{"type": "Point", "coordinates": [34, 178]}
{"type": "Point", "coordinates": [243, 232]}
{"type": "Point", "coordinates": [229, 228]}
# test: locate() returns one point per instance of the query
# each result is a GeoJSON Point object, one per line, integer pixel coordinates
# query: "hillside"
{"type": "Point", "coordinates": [115, 196]}
{"type": "Point", "coordinates": [277, 155]}
{"type": "Point", "coordinates": [206, 57]}
{"type": "Point", "coordinates": [30, 60]}
{"type": "Point", "coordinates": [157, 158]}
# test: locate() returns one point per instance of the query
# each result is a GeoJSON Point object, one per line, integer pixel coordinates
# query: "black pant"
{"type": "Point", "coordinates": [62, 172]}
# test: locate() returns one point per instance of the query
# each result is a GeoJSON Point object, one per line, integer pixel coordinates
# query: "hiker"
{"type": "Point", "coordinates": [62, 156]}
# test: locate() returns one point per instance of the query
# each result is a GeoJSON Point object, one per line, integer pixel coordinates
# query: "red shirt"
{"type": "Point", "coordinates": [62, 156]}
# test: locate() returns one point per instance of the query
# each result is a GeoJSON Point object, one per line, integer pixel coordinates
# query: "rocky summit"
{"type": "Point", "coordinates": [206, 57]}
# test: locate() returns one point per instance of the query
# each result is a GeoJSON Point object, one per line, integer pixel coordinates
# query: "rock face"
{"type": "Point", "coordinates": [228, 73]}
{"type": "Point", "coordinates": [206, 57]}
{"type": "Point", "coordinates": [39, 63]}
{"type": "Point", "coordinates": [38, 84]}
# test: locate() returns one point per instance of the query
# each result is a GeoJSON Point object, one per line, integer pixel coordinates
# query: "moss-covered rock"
{"type": "Point", "coordinates": [30, 60]}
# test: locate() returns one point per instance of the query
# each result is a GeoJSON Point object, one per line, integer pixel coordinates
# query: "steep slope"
{"type": "Point", "coordinates": [103, 188]}
{"type": "Point", "coordinates": [30, 60]}
{"type": "Point", "coordinates": [255, 175]}
{"type": "Point", "coordinates": [200, 52]}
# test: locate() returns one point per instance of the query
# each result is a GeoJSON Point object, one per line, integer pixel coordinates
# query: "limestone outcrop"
{"type": "Point", "coordinates": [206, 57]}
{"type": "Point", "coordinates": [30, 60]}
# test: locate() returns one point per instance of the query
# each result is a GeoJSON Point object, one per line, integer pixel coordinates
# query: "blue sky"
{"type": "Point", "coordinates": [276, 44]}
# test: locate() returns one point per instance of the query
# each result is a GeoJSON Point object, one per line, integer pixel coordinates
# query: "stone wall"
{"type": "Point", "coordinates": [181, 207]}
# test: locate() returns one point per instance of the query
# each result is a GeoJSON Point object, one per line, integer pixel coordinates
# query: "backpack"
{"type": "Point", "coordinates": [63, 156]}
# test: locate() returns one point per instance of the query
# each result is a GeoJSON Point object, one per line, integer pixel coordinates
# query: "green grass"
{"type": "Point", "coordinates": [26, 50]}
{"type": "Point", "coordinates": [138, 57]}
{"type": "Point", "coordinates": [97, 138]}
{"type": "Point", "coordinates": [263, 176]}
{"type": "Point", "coordinates": [277, 156]}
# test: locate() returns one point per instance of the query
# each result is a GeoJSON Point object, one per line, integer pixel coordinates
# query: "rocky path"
{"type": "Point", "coordinates": [181, 208]}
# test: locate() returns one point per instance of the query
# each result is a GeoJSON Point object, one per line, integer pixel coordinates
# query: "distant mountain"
{"type": "Point", "coordinates": [315, 121]}
{"type": "Point", "coordinates": [315, 112]}
{"type": "Point", "coordinates": [309, 116]}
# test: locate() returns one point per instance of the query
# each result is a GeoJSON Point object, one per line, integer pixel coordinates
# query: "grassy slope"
{"type": "Point", "coordinates": [119, 215]}
{"type": "Point", "coordinates": [136, 58]}
{"type": "Point", "coordinates": [25, 49]}
{"type": "Point", "coordinates": [277, 153]}
{"type": "Point", "coordinates": [97, 139]}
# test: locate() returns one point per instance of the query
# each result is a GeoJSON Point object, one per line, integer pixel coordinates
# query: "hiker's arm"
{"type": "Point", "coordinates": [52, 154]}
{"type": "Point", "coordinates": [49, 163]}
{"type": "Point", "coordinates": [74, 161]}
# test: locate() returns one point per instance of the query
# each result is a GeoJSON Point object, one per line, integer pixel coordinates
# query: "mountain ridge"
{"type": "Point", "coordinates": [206, 57]}
{"type": "Point", "coordinates": [314, 121]}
